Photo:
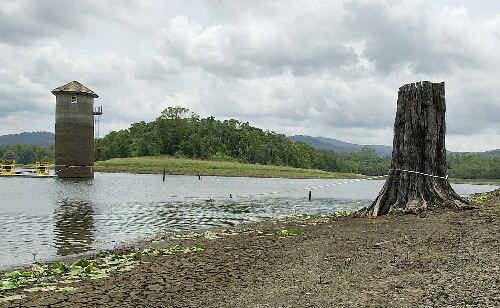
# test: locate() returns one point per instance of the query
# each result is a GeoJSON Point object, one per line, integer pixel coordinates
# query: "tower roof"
{"type": "Point", "coordinates": [76, 88]}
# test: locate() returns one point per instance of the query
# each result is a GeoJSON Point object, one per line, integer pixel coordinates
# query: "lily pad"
{"type": "Point", "coordinates": [151, 252]}
{"type": "Point", "coordinates": [13, 275]}
{"type": "Point", "coordinates": [82, 263]}
{"type": "Point", "coordinates": [7, 285]}
{"type": "Point", "coordinates": [76, 271]}
{"type": "Point", "coordinates": [288, 232]}
{"type": "Point", "coordinates": [59, 267]}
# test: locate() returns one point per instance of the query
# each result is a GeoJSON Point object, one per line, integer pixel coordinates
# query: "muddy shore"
{"type": "Point", "coordinates": [442, 259]}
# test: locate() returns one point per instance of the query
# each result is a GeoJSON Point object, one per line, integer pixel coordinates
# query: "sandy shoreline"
{"type": "Point", "coordinates": [443, 259]}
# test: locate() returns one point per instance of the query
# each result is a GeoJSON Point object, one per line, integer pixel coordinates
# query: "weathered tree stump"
{"type": "Point", "coordinates": [418, 176]}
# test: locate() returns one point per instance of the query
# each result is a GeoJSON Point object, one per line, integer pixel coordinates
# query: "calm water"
{"type": "Point", "coordinates": [52, 217]}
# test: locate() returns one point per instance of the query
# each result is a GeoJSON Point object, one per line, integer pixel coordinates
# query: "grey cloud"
{"type": "Point", "coordinates": [393, 42]}
{"type": "Point", "coordinates": [474, 114]}
{"type": "Point", "coordinates": [250, 51]}
{"type": "Point", "coordinates": [311, 67]}
{"type": "Point", "coordinates": [22, 22]}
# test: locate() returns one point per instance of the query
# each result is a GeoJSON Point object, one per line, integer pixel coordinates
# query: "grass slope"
{"type": "Point", "coordinates": [173, 165]}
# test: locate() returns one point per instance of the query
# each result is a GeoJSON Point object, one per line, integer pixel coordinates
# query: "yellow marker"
{"type": "Point", "coordinates": [8, 167]}
{"type": "Point", "coordinates": [42, 168]}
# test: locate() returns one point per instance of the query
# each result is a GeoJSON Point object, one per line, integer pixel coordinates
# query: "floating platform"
{"type": "Point", "coordinates": [26, 175]}
{"type": "Point", "coordinates": [8, 169]}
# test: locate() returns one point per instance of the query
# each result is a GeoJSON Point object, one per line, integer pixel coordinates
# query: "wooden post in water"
{"type": "Point", "coordinates": [418, 176]}
{"type": "Point", "coordinates": [164, 171]}
{"type": "Point", "coordinates": [310, 195]}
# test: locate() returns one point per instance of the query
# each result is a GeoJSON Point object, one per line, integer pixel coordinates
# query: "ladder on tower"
{"type": "Point", "coordinates": [97, 111]}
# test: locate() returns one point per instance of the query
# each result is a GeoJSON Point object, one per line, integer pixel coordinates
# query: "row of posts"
{"type": "Point", "coordinates": [230, 194]}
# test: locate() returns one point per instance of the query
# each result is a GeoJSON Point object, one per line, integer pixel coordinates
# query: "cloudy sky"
{"type": "Point", "coordinates": [322, 68]}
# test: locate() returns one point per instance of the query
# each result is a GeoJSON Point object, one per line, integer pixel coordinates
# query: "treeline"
{"type": "Point", "coordinates": [473, 166]}
{"type": "Point", "coordinates": [27, 154]}
{"type": "Point", "coordinates": [178, 133]}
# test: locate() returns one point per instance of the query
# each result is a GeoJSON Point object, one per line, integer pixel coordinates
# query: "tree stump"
{"type": "Point", "coordinates": [418, 178]}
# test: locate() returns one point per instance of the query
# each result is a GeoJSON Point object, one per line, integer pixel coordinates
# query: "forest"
{"type": "Point", "coordinates": [177, 132]}
{"type": "Point", "coordinates": [27, 154]}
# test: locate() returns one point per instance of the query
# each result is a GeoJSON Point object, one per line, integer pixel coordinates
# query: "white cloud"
{"type": "Point", "coordinates": [308, 67]}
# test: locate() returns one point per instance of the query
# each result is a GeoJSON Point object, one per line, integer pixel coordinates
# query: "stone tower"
{"type": "Point", "coordinates": [74, 144]}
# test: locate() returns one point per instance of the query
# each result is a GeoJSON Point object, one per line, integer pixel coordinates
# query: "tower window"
{"type": "Point", "coordinates": [74, 99]}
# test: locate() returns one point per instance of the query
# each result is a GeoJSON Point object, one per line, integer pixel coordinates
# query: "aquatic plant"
{"type": "Point", "coordinates": [105, 264]}
{"type": "Point", "coordinates": [343, 213]}
{"type": "Point", "coordinates": [287, 232]}
{"type": "Point", "coordinates": [309, 216]}
{"type": "Point", "coordinates": [481, 198]}
{"type": "Point", "coordinates": [59, 267]}
{"type": "Point", "coordinates": [181, 249]}
{"type": "Point", "coordinates": [189, 235]}
{"type": "Point", "coordinates": [210, 235]}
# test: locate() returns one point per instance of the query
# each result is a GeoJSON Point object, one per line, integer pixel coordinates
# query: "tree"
{"type": "Point", "coordinates": [176, 133]}
{"type": "Point", "coordinates": [417, 179]}
{"type": "Point", "coordinates": [10, 154]}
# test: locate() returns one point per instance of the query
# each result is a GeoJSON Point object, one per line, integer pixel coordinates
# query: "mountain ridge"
{"type": "Point", "coordinates": [31, 138]}
{"type": "Point", "coordinates": [331, 144]}
{"type": "Point", "coordinates": [321, 143]}
{"type": "Point", "coordinates": [339, 146]}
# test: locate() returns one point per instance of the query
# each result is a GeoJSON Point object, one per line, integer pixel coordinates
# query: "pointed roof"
{"type": "Point", "coordinates": [76, 88]}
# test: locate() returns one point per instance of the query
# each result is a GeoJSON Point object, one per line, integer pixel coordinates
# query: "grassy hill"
{"type": "Point", "coordinates": [173, 165]}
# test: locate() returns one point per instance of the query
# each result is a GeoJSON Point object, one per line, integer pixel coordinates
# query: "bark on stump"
{"type": "Point", "coordinates": [418, 146]}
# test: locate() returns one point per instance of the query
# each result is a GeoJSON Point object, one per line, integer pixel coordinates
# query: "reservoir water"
{"type": "Point", "coordinates": [50, 218]}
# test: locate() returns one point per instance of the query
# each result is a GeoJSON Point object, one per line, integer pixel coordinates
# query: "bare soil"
{"type": "Point", "coordinates": [438, 259]}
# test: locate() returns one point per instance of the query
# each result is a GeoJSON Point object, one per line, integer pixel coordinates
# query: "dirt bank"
{"type": "Point", "coordinates": [445, 259]}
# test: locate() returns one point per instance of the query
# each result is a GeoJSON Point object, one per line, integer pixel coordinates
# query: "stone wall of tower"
{"type": "Point", "coordinates": [74, 140]}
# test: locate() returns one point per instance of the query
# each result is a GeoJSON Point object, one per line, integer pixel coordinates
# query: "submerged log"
{"type": "Point", "coordinates": [418, 178]}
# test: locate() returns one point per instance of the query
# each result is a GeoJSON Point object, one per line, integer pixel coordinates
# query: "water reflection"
{"type": "Point", "coordinates": [72, 217]}
{"type": "Point", "coordinates": [74, 227]}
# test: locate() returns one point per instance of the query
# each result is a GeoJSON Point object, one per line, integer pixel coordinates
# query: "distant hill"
{"type": "Point", "coordinates": [492, 153]}
{"type": "Point", "coordinates": [33, 138]}
{"type": "Point", "coordinates": [330, 144]}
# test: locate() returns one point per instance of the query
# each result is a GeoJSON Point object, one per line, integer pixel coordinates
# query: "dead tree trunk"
{"type": "Point", "coordinates": [418, 176]}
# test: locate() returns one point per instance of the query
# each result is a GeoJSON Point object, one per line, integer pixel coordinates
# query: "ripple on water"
{"type": "Point", "coordinates": [71, 217]}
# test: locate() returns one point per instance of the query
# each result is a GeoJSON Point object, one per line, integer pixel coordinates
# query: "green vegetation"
{"type": "Point", "coordinates": [476, 181]}
{"type": "Point", "coordinates": [26, 154]}
{"type": "Point", "coordinates": [287, 232]}
{"type": "Point", "coordinates": [232, 148]}
{"type": "Point", "coordinates": [473, 166]}
{"type": "Point", "coordinates": [98, 268]}
{"type": "Point", "coordinates": [482, 198]}
{"type": "Point", "coordinates": [177, 133]}
{"type": "Point", "coordinates": [173, 165]}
